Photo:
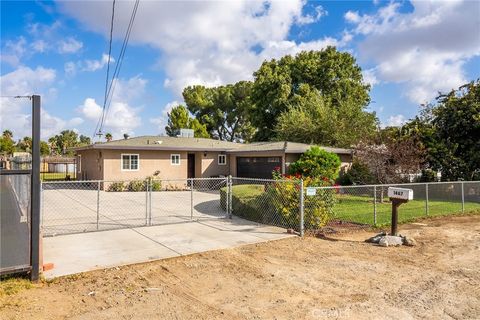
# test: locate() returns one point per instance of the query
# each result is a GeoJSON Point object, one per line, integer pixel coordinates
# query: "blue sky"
{"type": "Point", "coordinates": [408, 50]}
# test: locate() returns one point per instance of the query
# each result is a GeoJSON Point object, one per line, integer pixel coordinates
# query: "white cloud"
{"type": "Point", "coordinates": [311, 18]}
{"type": "Point", "coordinates": [121, 117]}
{"type": "Point", "coordinates": [213, 42]}
{"type": "Point", "coordinates": [40, 46]}
{"type": "Point", "coordinates": [425, 50]}
{"type": "Point", "coordinates": [369, 77]}
{"type": "Point", "coordinates": [13, 51]}
{"type": "Point", "coordinates": [69, 45]}
{"type": "Point", "coordinates": [16, 113]}
{"type": "Point", "coordinates": [94, 65]}
{"type": "Point", "coordinates": [396, 121]}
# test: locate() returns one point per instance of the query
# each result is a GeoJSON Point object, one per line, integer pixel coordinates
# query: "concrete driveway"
{"type": "Point", "coordinates": [82, 252]}
{"type": "Point", "coordinates": [134, 228]}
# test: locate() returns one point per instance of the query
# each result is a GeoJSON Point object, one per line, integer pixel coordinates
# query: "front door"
{"type": "Point", "coordinates": [191, 165]}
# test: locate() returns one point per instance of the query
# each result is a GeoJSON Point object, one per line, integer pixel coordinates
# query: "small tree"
{"type": "Point", "coordinates": [317, 163]}
{"type": "Point", "coordinates": [109, 137]}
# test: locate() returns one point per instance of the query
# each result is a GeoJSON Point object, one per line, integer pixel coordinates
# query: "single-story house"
{"type": "Point", "coordinates": [187, 157]}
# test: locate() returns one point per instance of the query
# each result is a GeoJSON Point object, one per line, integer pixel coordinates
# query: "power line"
{"type": "Point", "coordinates": [118, 65]}
{"type": "Point", "coordinates": [100, 120]}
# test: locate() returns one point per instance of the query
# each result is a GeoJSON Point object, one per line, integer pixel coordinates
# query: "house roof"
{"type": "Point", "coordinates": [284, 146]}
{"type": "Point", "coordinates": [164, 143]}
{"type": "Point", "coordinates": [202, 144]}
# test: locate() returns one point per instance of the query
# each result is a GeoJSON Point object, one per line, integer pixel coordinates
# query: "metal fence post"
{"type": "Point", "coordinates": [301, 208]}
{"type": "Point", "coordinates": [98, 203]}
{"type": "Point", "coordinates": [230, 197]}
{"type": "Point", "coordinates": [191, 198]}
{"type": "Point", "coordinates": [150, 203]}
{"type": "Point", "coordinates": [147, 184]}
{"type": "Point", "coordinates": [374, 205]}
{"type": "Point", "coordinates": [426, 199]}
{"type": "Point", "coordinates": [463, 198]}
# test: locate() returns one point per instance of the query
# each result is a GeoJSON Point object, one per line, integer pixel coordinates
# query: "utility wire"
{"type": "Point", "coordinates": [108, 66]}
{"type": "Point", "coordinates": [111, 89]}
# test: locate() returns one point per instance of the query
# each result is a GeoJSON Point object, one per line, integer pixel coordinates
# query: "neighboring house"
{"type": "Point", "coordinates": [182, 157]}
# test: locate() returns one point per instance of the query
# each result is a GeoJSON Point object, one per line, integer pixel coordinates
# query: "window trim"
{"type": "Point", "coordinates": [175, 155]}
{"type": "Point", "coordinates": [225, 161]}
{"type": "Point", "coordinates": [129, 154]}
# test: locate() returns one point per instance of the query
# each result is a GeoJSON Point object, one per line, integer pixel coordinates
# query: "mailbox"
{"type": "Point", "coordinates": [400, 193]}
{"type": "Point", "coordinates": [398, 196]}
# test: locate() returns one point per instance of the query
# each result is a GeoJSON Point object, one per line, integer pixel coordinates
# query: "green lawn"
{"type": "Point", "coordinates": [56, 176]}
{"type": "Point", "coordinates": [360, 209]}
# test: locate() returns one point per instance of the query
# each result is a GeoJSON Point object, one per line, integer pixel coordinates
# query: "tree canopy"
{"type": "Point", "coordinates": [224, 110]}
{"type": "Point", "coordinates": [317, 164]}
{"type": "Point", "coordinates": [449, 130]}
{"type": "Point", "coordinates": [179, 118]}
{"type": "Point", "coordinates": [293, 83]}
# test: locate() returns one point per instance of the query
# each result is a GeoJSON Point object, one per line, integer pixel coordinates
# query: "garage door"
{"type": "Point", "coordinates": [257, 167]}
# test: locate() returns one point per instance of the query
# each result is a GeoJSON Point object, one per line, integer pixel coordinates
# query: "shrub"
{"type": "Point", "coordinates": [318, 209]}
{"type": "Point", "coordinates": [317, 163]}
{"type": "Point", "coordinates": [136, 186]}
{"type": "Point", "coordinates": [278, 203]}
{"type": "Point", "coordinates": [155, 185]}
{"type": "Point", "coordinates": [116, 186]}
{"type": "Point", "coordinates": [357, 174]}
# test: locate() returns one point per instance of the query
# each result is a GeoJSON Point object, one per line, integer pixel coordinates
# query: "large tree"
{"type": "Point", "coordinates": [60, 143]}
{"type": "Point", "coordinates": [450, 132]}
{"type": "Point", "coordinates": [311, 119]}
{"type": "Point", "coordinates": [279, 85]}
{"type": "Point", "coordinates": [225, 110]}
{"type": "Point", "coordinates": [179, 118]}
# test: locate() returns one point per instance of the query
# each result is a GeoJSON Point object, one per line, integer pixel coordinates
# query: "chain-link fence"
{"type": "Point", "coordinates": [81, 206]}
{"type": "Point", "coordinates": [272, 202]}
{"type": "Point", "coordinates": [366, 206]}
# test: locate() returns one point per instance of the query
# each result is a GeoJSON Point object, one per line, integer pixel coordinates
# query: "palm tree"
{"type": "Point", "coordinates": [109, 137]}
{"type": "Point", "coordinates": [7, 134]}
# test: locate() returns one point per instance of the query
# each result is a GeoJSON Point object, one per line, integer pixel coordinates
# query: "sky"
{"type": "Point", "coordinates": [408, 51]}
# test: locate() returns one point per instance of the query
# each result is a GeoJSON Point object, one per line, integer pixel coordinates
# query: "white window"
{"type": "Point", "coordinates": [175, 159]}
{"type": "Point", "coordinates": [130, 162]}
{"type": "Point", "coordinates": [222, 159]}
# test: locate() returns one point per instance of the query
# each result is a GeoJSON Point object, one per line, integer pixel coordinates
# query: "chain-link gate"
{"type": "Point", "coordinates": [82, 206]}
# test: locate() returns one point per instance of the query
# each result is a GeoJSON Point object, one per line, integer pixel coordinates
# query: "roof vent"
{"type": "Point", "coordinates": [186, 133]}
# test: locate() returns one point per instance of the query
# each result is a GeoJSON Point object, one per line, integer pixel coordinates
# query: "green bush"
{"type": "Point", "coordinates": [278, 203]}
{"type": "Point", "coordinates": [136, 186]}
{"type": "Point", "coordinates": [357, 174]}
{"type": "Point", "coordinates": [317, 163]}
{"type": "Point", "coordinates": [155, 185]}
{"type": "Point", "coordinates": [116, 187]}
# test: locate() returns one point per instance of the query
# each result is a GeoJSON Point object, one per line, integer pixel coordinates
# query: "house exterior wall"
{"type": "Point", "coordinates": [210, 166]}
{"type": "Point", "coordinates": [90, 165]}
{"type": "Point", "coordinates": [150, 161]}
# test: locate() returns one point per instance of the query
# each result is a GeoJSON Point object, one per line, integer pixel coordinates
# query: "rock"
{"type": "Point", "coordinates": [409, 241]}
{"type": "Point", "coordinates": [387, 241]}
{"type": "Point", "coordinates": [376, 239]}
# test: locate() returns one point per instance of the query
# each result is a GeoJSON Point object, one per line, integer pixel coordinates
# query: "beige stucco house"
{"type": "Point", "coordinates": [182, 157]}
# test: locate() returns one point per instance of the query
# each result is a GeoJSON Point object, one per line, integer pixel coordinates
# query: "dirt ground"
{"type": "Point", "coordinates": [309, 278]}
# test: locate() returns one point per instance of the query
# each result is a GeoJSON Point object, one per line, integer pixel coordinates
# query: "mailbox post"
{"type": "Point", "coordinates": [398, 196]}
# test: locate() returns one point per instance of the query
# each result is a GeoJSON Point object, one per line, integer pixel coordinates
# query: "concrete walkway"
{"type": "Point", "coordinates": [97, 250]}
